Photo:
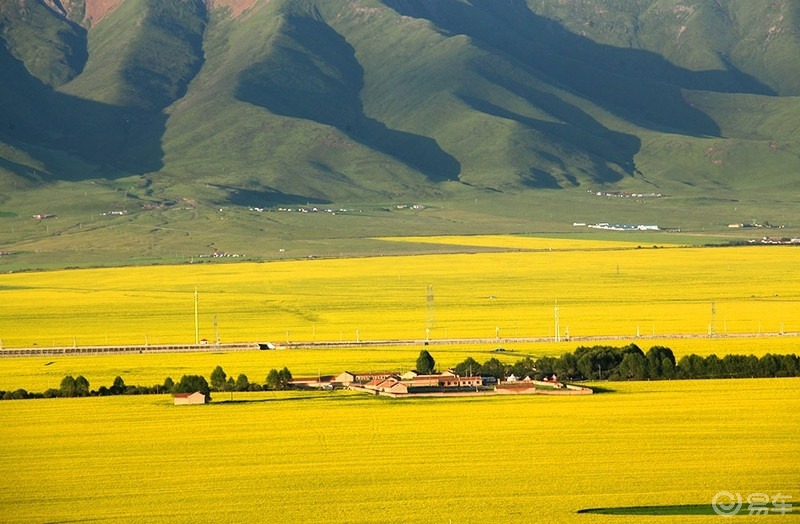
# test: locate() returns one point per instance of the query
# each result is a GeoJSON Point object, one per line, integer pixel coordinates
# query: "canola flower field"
{"type": "Point", "coordinates": [599, 288]}
{"type": "Point", "coordinates": [346, 457]}
{"type": "Point", "coordinates": [38, 374]}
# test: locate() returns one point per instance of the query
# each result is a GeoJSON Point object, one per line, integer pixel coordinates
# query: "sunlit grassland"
{"type": "Point", "coordinates": [522, 242]}
{"type": "Point", "coordinates": [344, 457]}
{"type": "Point", "coordinates": [599, 291]}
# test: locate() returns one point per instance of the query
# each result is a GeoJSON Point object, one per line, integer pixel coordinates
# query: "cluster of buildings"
{"type": "Point", "coordinates": [777, 241]}
{"type": "Point", "coordinates": [625, 194]}
{"type": "Point", "coordinates": [620, 227]}
{"type": "Point", "coordinates": [299, 210]}
{"type": "Point", "coordinates": [412, 383]}
{"type": "Point", "coordinates": [409, 382]}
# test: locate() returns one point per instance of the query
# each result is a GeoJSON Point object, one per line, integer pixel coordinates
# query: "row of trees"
{"type": "Point", "coordinates": [631, 363]}
{"type": "Point", "coordinates": [276, 380]}
{"type": "Point", "coordinates": [79, 387]}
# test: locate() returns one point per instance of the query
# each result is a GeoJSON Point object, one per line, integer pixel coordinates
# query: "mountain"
{"type": "Point", "coordinates": [150, 105]}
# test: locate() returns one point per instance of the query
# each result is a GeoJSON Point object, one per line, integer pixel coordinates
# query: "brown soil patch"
{"type": "Point", "coordinates": [237, 7]}
{"type": "Point", "coordinates": [96, 10]}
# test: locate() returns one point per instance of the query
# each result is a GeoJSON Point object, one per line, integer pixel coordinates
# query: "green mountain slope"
{"type": "Point", "coordinates": [268, 103]}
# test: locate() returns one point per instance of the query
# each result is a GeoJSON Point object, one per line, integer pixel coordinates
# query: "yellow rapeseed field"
{"type": "Point", "coordinates": [600, 289]}
{"type": "Point", "coordinates": [147, 369]}
{"type": "Point", "coordinates": [343, 457]}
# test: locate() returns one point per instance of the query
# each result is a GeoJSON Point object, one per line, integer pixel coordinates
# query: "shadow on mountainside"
{"type": "Point", "coordinates": [266, 197]}
{"type": "Point", "coordinates": [568, 135]}
{"type": "Point", "coordinates": [312, 73]}
{"type": "Point", "coordinates": [116, 139]}
{"type": "Point", "coordinates": [640, 85]}
{"type": "Point", "coordinates": [573, 127]}
{"type": "Point", "coordinates": [119, 141]}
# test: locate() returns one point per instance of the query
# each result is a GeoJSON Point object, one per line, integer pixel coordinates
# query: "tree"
{"type": "Point", "coordinates": [526, 367]}
{"type": "Point", "coordinates": [790, 365]}
{"type": "Point", "coordinates": [692, 366]}
{"type": "Point", "coordinates": [631, 348]}
{"type": "Point", "coordinates": [493, 368]}
{"type": "Point", "coordinates": [51, 393]}
{"type": "Point", "coordinates": [273, 379]}
{"type": "Point", "coordinates": [278, 379]}
{"type": "Point", "coordinates": [242, 384]}
{"type": "Point", "coordinates": [67, 387]}
{"type": "Point", "coordinates": [567, 366]}
{"type": "Point", "coordinates": [285, 377]}
{"type": "Point", "coordinates": [18, 394]}
{"type": "Point", "coordinates": [667, 368]}
{"type": "Point", "coordinates": [218, 377]}
{"type": "Point", "coordinates": [81, 386]}
{"type": "Point", "coordinates": [192, 383]}
{"type": "Point", "coordinates": [169, 385]}
{"type": "Point", "coordinates": [599, 362]}
{"type": "Point", "coordinates": [425, 363]}
{"type": "Point", "coordinates": [655, 361]}
{"type": "Point", "coordinates": [633, 367]}
{"type": "Point", "coordinates": [468, 367]}
{"type": "Point", "coordinates": [713, 366]}
{"type": "Point", "coordinates": [118, 388]}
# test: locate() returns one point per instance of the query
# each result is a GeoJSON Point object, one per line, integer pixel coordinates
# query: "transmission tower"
{"type": "Point", "coordinates": [431, 308]}
{"type": "Point", "coordinates": [555, 318]}
{"type": "Point", "coordinates": [713, 318]}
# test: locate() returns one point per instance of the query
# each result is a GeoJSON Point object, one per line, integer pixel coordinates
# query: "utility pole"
{"type": "Point", "coordinates": [713, 318]}
{"type": "Point", "coordinates": [557, 327]}
{"type": "Point", "coordinates": [216, 330]}
{"type": "Point", "coordinates": [196, 319]}
{"type": "Point", "coordinates": [431, 308]}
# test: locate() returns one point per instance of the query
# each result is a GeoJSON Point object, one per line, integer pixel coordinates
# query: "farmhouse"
{"type": "Point", "coordinates": [345, 378]}
{"type": "Point", "coordinates": [368, 377]}
{"type": "Point", "coordinates": [181, 399]}
{"type": "Point", "coordinates": [447, 379]}
{"type": "Point", "coordinates": [412, 383]}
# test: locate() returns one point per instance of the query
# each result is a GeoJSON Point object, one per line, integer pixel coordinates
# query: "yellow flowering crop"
{"type": "Point", "coordinates": [344, 457]}
{"type": "Point", "coordinates": [598, 290]}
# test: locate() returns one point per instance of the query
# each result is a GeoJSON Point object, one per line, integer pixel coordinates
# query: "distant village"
{"type": "Point", "coordinates": [447, 383]}
{"type": "Point", "coordinates": [412, 384]}
{"type": "Point", "coordinates": [624, 194]}
{"type": "Point", "coordinates": [308, 209]}
{"type": "Point", "coordinates": [619, 227]}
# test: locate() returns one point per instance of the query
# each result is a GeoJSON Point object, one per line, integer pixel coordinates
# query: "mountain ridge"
{"type": "Point", "coordinates": [268, 102]}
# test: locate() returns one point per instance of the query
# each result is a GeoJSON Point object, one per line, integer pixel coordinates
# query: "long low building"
{"type": "Point", "coordinates": [183, 399]}
{"type": "Point", "coordinates": [411, 382]}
